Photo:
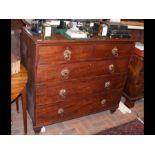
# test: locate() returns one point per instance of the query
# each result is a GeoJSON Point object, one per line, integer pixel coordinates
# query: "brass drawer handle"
{"type": "Point", "coordinates": [61, 112]}
{"type": "Point", "coordinates": [62, 92]}
{"type": "Point", "coordinates": [65, 73]}
{"type": "Point", "coordinates": [115, 51]}
{"type": "Point", "coordinates": [103, 101]}
{"type": "Point", "coordinates": [107, 84]}
{"type": "Point", "coordinates": [67, 54]}
{"type": "Point", "coordinates": [111, 68]}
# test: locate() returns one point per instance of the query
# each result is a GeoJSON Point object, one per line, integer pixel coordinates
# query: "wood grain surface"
{"type": "Point", "coordinates": [65, 86]}
{"type": "Point", "coordinates": [18, 82]}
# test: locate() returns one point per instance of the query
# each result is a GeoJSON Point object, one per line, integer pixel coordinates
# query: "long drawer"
{"type": "Point", "coordinates": [50, 92]}
{"type": "Point", "coordinates": [69, 109]}
{"type": "Point", "coordinates": [62, 72]}
{"type": "Point", "coordinates": [70, 53]}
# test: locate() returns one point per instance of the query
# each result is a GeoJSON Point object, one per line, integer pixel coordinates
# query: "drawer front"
{"type": "Point", "coordinates": [76, 108]}
{"type": "Point", "coordinates": [112, 50]}
{"type": "Point", "coordinates": [53, 92]}
{"type": "Point", "coordinates": [51, 54]}
{"type": "Point", "coordinates": [63, 72]}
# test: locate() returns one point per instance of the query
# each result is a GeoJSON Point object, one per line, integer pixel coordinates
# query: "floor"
{"type": "Point", "coordinates": [87, 125]}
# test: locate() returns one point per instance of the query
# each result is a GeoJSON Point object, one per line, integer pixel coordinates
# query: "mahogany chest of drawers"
{"type": "Point", "coordinates": [73, 78]}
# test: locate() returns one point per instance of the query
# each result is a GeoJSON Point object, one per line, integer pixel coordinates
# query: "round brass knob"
{"type": "Point", "coordinates": [65, 73]}
{"type": "Point", "coordinates": [115, 51]}
{"type": "Point", "coordinates": [61, 112]}
{"type": "Point", "coordinates": [103, 101]}
{"type": "Point", "coordinates": [111, 68]}
{"type": "Point", "coordinates": [62, 92]}
{"type": "Point", "coordinates": [107, 84]}
{"type": "Point", "coordinates": [67, 54]}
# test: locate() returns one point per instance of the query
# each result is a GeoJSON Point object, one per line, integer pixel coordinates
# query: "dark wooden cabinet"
{"type": "Point", "coordinates": [73, 78]}
{"type": "Point", "coordinates": [137, 35]}
{"type": "Point", "coordinates": [134, 86]}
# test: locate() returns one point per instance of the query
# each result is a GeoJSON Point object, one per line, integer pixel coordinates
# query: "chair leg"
{"type": "Point", "coordinates": [24, 108]}
{"type": "Point", "coordinates": [17, 104]}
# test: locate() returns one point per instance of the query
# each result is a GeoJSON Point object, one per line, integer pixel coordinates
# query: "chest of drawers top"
{"type": "Point", "coordinates": [59, 39]}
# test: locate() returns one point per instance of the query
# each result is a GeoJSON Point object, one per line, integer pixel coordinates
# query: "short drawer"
{"type": "Point", "coordinates": [52, 92]}
{"type": "Point", "coordinates": [67, 53]}
{"type": "Point", "coordinates": [78, 107]}
{"type": "Point", "coordinates": [112, 50]}
{"type": "Point", "coordinates": [63, 72]}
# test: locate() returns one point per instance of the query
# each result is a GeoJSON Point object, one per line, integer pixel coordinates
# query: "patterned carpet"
{"type": "Point", "coordinates": [134, 127]}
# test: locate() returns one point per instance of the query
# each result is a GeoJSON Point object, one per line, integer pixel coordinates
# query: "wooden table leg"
{"type": "Point", "coordinates": [17, 104]}
{"type": "Point", "coordinates": [24, 107]}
